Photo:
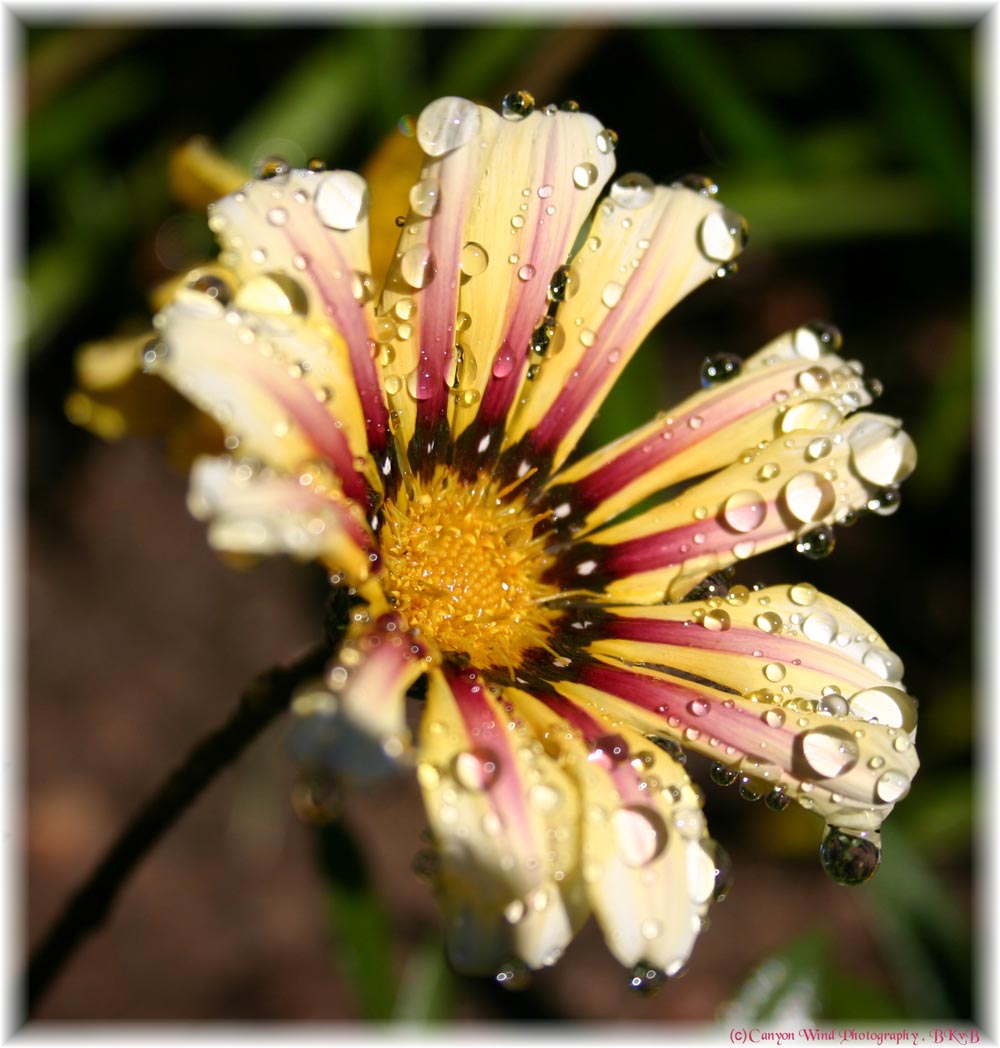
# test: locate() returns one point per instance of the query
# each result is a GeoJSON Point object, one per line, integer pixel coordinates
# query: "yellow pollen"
{"type": "Point", "coordinates": [461, 566]}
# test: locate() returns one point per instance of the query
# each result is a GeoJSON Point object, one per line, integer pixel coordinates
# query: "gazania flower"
{"type": "Point", "coordinates": [560, 651]}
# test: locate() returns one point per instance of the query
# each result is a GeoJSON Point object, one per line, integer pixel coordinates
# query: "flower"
{"type": "Point", "coordinates": [417, 442]}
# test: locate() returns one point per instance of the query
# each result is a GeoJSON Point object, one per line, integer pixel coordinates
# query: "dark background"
{"type": "Point", "coordinates": [849, 148]}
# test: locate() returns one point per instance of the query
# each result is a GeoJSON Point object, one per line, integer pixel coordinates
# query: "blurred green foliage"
{"type": "Point", "coordinates": [850, 149]}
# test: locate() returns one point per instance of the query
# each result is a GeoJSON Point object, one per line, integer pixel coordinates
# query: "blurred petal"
{"type": "Point", "coordinates": [645, 252]}
{"type": "Point", "coordinates": [259, 512]}
{"type": "Point", "coordinates": [302, 238]}
{"type": "Point", "coordinates": [770, 496]}
{"type": "Point", "coordinates": [246, 370]}
{"type": "Point", "coordinates": [505, 819]}
{"type": "Point", "coordinates": [788, 385]}
{"type": "Point", "coordinates": [200, 175]}
{"type": "Point", "coordinates": [647, 859]}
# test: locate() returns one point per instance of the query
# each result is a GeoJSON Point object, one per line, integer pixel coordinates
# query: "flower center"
{"type": "Point", "coordinates": [462, 567]}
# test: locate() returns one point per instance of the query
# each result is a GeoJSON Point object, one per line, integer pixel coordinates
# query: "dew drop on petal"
{"type": "Point", "coordinates": [446, 124]}
{"type": "Point", "coordinates": [717, 620]}
{"type": "Point", "coordinates": [720, 368]}
{"type": "Point", "coordinates": [885, 663]}
{"type": "Point", "coordinates": [607, 140]}
{"type": "Point", "coordinates": [880, 453]}
{"type": "Point", "coordinates": [516, 105]}
{"type": "Point", "coordinates": [722, 775]}
{"type": "Point", "coordinates": [723, 869]}
{"type": "Point", "coordinates": [476, 769]}
{"type": "Point", "coordinates": [526, 273]}
{"type": "Point", "coordinates": [802, 593]}
{"type": "Point", "coordinates": [812, 340]}
{"type": "Point", "coordinates": [811, 414]}
{"type": "Point", "coordinates": [892, 786]}
{"type": "Point", "coordinates": [609, 751]}
{"type": "Point", "coordinates": [514, 975]}
{"type": "Point", "coordinates": [425, 196]}
{"type": "Point", "coordinates": [645, 980]}
{"type": "Point", "coordinates": [473, 259]}
{"type": "Point", "coordinates": [885, 705]}
{"type": "Point", "coordinates": [774, 718]}
{"type": "Point", "coordinates": [744, 511]}
{"type": "Point", "coordinates": [829, 752]}
{"type": "Point", "coordinates": [584, 175]}
{"type": "Point", "coordinates": [820, 626]}
{"type": "Point", "coordinates": [612, 294]}
{"type": "Point", "coordinates": [416, 266]}
{"type": "Point", "coordinates": [809, 497]}
{"type": "Point", "coordinates": [640, 835]}
{"type": "Point", "coordinates": [849, 859]}
{"type": "Point", "coordinates": [768, 621]}
{"type": "Point", "coordinates": [722, 235]}
{"type": "Point", "coordinates": [342, 200]}
{"type": "Point", "coordinates": [277, 216]}
{"type": "Point", "coordinates": [632, 191]}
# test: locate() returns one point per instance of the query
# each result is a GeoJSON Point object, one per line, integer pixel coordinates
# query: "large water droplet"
{"type": "Point", "coordinates": [517, 105]}
{"type": "Point", "coordinates": [722, 775]}
{"type": "Point", "coordinates": [811, 414]}
{"type": "Point", "coordinates": [885, 705]}
{"type": "Point", "coordinates": [563, 285]}
{"type": "Point", "coordinates": [829, 752]}
{"type": "Point", "coordinates": [612, 294]}
{"type": "Point", "coordinates": [416, 266]}
{"type": "Point", "coordinates": [720, 368]}
{"type": "Point", "coordinates": [632, 191]}
{"type": "Point", "coordinates": [812, 340]}
{"type": "Point", "coordinates": [722, 235]}
{"type": "Point", "coordinates": [885, 663]}
{"type": "Point", "coordinates": [584, 175]}
{"type": "Point", "coordinates": [881, 453]}
{"type": "Point", "coordinates": [342, 199]}
{"type": "Point", "coordinates": [817, 543]}
{"type": "Point", "coordinates": [744, 511]}
{"type": "Point", "coordinates": [646, 980]}
{"type": "Point", "coordinates": [473, 259]}
{"type": "Point", "coordinates": [809, 496]}
{"type": "Point", "coordinates": [446, 124]}
{"type": "Point", "coordinates": [609, 750]}
{"type": "Point", "coordinates": [892, 786]}
{"type": "Point", "coordinates": [640, 835]}
{"type": "Point", "coordinates": [607, 140]}
{"type": "Point", "coordinates": [820, 626]}
{"type": "Point", "coordinates": [849, 859]}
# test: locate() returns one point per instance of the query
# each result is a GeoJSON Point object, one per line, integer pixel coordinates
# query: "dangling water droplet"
{"type": "Point", "coordinates": [722, 775]}
{"type": "Point", "coordinates": [342, 200]}
{"type": "Point", "coordinates": [809, 496]}
{"type": "Point", "coordinates": [584, 175]}
{"type": "Point", "coordinates": [748, 790]}
{"type": "Point", "coordinates": [425, 196]}
{"type": "Point", "coordinates": [817, 543]}
{"type": "Point", "coordinates": [849, 859]}
{"type": "Point", "coordinates": [446, 124]}
{"type": "Point", "coordinates": [517, 105]}
{"type": "Point", "coordinates": [632, 191]}
{"type": "Point", "coordinates": [720, 368]}
{"type": "Point", "coordinates": [722, 235]}
{"type": "Point", "coordinates": [777, 799]}
{"type": "Point", "coordinates": [514, 975]}
{"type": "Point", "coordinates": [640, 835]}
{"type": "Point", "coordinates": [416, 266]}
{"type": "Point", "coordinates": [744, 511]}
{"type": "Point", "coordinates": [828, 751]}
{"type": "Point", "coordinates": [812, 340]}
{"type": "Point", "coordinates": [645, 980]}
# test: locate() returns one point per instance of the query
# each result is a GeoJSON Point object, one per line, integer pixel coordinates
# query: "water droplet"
{"type": "Point", "coordinates": [722, 235]}
{"type": "Point", "coordinates": [342, 199]}
{"type": "Point", "coordinates": [563, 285]}
{"type": "Point", "coordinates": [777, 799]}
{"type": "Point", "coordinates": [720, 368]}
{"type": "Point", "coordinates": [774, 718]}
{"type": "Point", "coordinates": [803, 594]}
{"type": "Point", "coordinates": [828, 752]}
{"type": "Point", "coordinates": [646, 980]}
{"type": "Point", "coordinates": [271, 167]}
{"type": "Point", "coordinates": [849, 859]}
{"type": "Point", "coordinates": [700, 184]}
{"type": "Point", "coordinates": [315, 165]}
{"type": "Point", "coordinates": [609, 750]}
{"type": "Point", "coordinates": [768, 621]}
{"type": "Point", "coordinates": [744, 511]}
{"type": "Point", "coordinates": [607, 141]}
{"type": "Point", "coordinates": [425, 196]}
{"type": "Point", "coordinates": [689, 823]}
{"type": "Point", "coordinates": [277, 216]}
{"type": "Point", "coordinates": [820, 626]}
{"type": "Point", "coordinates": [811, 414]}
{"type": "Point", "coordinates": [514, 975]}
{"type": "Point", "coordinates": [881, 453]}
{"type": "Point", "coordinates": [818, 448]}
{"type": "Point", "coordinates": [812, 340]}
{"type": "Point", "coordinates": [473, 259]}
{"type": "Point", "coordinates": [416, 266]}
{"type": "Point", "coordinates": [526, 273]}
{"type": "Point", "coordinates": [833, 704]}
{"type": "Point", "coordinates": [669, 746]}
{"type": "Point", "coordinates": [446, 124]}
{"type": "Point", "coordinates": [774, 672]}
{"type": "Point", "coordinates": [809, 496]}
{"type": "Point", "coordinates": [885, 663]}
{"type": "Point", "coordinates": [722, 775]}
{"type": "Point", "coordinates": [517, 105]}
{"type": "Point", "coordinates": [476, 769]}
{"type": "Point", "coordinates": [584, 175]}
{"type": "Point", "coordinates": [723, 868]}
{"type": "Point", "coordinates": [717, 620]}
{"type": "Point", "coordinates": [612, 294]}
{"type": "Point", "coordinates": [892, 786]}
{"type": "Point", "coordinates": [543, 797]}
{"type": "Point", "coordinates": [212, 286]}
{"type": "Point", "coordinates": [640, 835]}
{"type": "Point", "coordinates": [817, 543]}
{"type": "Point", "coordinates": [698, 707]}
{"type": "Point", "coordinates": [632, 191]}
{"type": "Point", "coordinates": [885, 705]}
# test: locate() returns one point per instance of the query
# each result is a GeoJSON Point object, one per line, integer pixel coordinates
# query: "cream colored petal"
{"type": "Point", "coordinates": [256, 511]}
{"type": "Point", "coordinates": [505, 822]}
{"type": "Point", "coordinates": [298, 243]}
{"type": "Point", "coordinates": [648, 862]}
{"type": "Point", "coordinates": [269, 384]}
{"type": "Point", "coordinates": [645, 251]}
{"type": "Point", "coordinates": [495, 212]}
{"type": "Point", "coordinates": [772, 495]}
{"type": "Point", "coordinates": [779, 389]}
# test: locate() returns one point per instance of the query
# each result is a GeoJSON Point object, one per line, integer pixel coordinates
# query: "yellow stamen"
{"type": "Point", "coordinates": [462, 567]}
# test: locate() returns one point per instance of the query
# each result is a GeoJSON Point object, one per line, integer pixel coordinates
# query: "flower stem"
{"type": "Point", "coordinates": [262, 702]}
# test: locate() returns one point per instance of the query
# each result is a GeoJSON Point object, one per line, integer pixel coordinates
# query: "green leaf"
{"type": "Point", "coordinates": [427, 988]}
{"type": "Point", "coordinates": [784, 987]}
{"type": "Point", "coordinates": [358, 924]}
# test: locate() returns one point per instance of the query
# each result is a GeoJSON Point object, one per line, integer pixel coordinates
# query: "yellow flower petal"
{"type": "Point", "coordinates": [199, 174]}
